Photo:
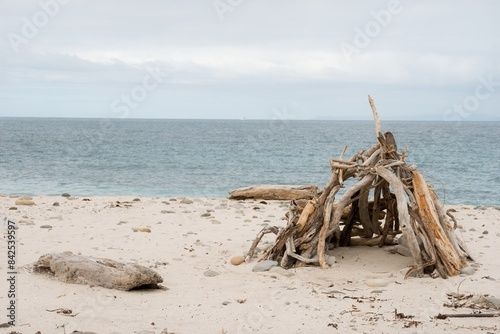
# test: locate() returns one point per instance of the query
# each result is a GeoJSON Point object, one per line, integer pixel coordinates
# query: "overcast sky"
{"type": "Point", "coordinates": [254, 59]}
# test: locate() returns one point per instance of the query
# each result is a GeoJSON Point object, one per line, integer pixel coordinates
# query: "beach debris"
{"type": "Point", "coordinates": [21, 201]}
{"type": "Point", "coordinates": [386, 197]}
{"type": "Point", "coordinates": [110, 274]}
{"type": "Point", "coordinates": [118, 204]}
{"type": "Point", "coordinates": [473, 301]}
{"type": "Point", "coordinates": [64, 311]}
{"type": "Point", "coordinates": [275, 192]}
{"type": "Point", "coordinates": [56, 204]}
{"type": "Point", "coordinates": [186, 201]}
{"type": "Point", "coordinates": [65, 195]}
{"type": "Point", "coordinates": [141, 229]}
{"type": "Point", "coordinates": [467, 315]}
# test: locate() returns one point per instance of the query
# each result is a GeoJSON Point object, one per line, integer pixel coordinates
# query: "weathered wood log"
{"type": "Point", "coordinates": [110, 274]}
{"type": "Point", "coordinates": [275, 192]}
{"type": "Point", "coordinates": [430, 219]}
{"type": "Point", "coordinates": [404, 218]}
{"type": "Point", "coordinates": [306, 213]}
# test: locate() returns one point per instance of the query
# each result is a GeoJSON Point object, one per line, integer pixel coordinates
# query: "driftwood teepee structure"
{"type": "Point", "coordinates": [389, 197]}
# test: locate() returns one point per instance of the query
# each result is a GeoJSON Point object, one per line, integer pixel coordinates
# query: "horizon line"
{"type": "Point", "coordinates": [255, 119]}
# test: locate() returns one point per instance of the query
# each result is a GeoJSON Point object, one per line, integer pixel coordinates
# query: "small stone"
{"type": "Point", "coordinates": [142, 229]}
{"type": "Point", "coordinates": [210, 273]}
{"type": "Point", "coordinates": [24, 202]}
{"type": "Point", "coordinates": [486, 232]}
{"type": "Point", "coordinates": [56, 204]}
{"type": "Point", "coordinates": [122, 222]}
{"type": "Point", "coordinates": [186, 201]}
{"type": "Point", "coordinates": [467, 271]}
{"type": "Point", "coordinates": [264, 265]}
{"type": "Point", "coordinates": [27, 222]}
{"type": "Point", "coordinates": [472, 229]}
{"type": "Point", "coordinates": [215, 222]}
{"type": "Point", "coordinates": [237, 260]}
{"type": "Point", "coordinates": [66, 195]}
{"type": "Point", "coordinates": [172, 200]}
{"type": "Point", "coordinates": [330, 260]}
{"type": "Point", "coordinates": [136, 200]}
{"type": "Point", "coordinates": [377, 282]}
{"type": "Point", "coordinates": [46, 226]}
{"type": "Point", "coordinates": [27, 198]}
{"type": "Point", "coordinates": [225, 303]}
{"type": "Point", "coordinates": [206, 214]}
{"type": "Point", "coordinates": [13, 208]}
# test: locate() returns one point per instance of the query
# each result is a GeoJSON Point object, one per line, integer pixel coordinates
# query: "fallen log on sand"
{"type": "Point", "coordinates": [77, 269]}
{"type": "Point", "coordinates": [275, 192]}
{"type": "Point", "coordinates": [389, 197]}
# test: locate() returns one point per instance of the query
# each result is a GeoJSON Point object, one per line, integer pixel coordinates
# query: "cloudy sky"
{"type": "Point", "coordinates": [254, 59]}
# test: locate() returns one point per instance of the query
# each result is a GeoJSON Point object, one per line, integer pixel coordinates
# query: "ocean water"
{"type": "Point", "coordinates": [208, 158]}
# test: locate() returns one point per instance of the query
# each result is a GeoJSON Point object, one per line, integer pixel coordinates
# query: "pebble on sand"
{"type": "Point", "coordinates": [210, 273]}
{"type": "Point", "coordinates": [377, 282]}
{"type": "Point", "coordinates": [467, 271]}
{"type": "Point", "coordinates": [142, 229]}
{"type": "Point", "coordinates": [46, 226]}
{"type": "Point", "coordinates": [237, 260]}
{"type": "Point", "coordinates": [264, 265]}
{"type": "Point", "coordinates": [27, 222]}
{"type": "Point", "coordinates": [66, 195]}
{"type": "Point", "coordinates": [24, 202]}
{"type": "Point", "coordinates": [186, 201]}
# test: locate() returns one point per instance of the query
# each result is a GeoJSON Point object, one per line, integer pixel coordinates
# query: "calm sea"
{"type": "Point", "coordinates": [210, 157]}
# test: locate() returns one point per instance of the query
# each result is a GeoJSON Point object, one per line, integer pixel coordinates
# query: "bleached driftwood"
{"type": "Point", "coordinates": [386, 188]}
{"type": "Point", "coordinates": [77, 269]}
{"type": "Point", "coordinates": [275, 192]}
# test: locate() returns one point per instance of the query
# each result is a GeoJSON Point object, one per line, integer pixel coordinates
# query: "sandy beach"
{"type": "Point", "coordinates": [190, 244]}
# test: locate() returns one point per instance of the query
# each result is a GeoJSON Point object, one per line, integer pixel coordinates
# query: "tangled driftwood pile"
{"type": "Point", "coordinates": [389, 197]}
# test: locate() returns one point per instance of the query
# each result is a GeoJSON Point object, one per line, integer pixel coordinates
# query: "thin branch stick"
{"type": "Point", "coordinates": [322, 233]}
{"type": "Point", "coordinates": [378, 132]}
{"type": "Point", "coordinates": [467, 315]}
{"type": "Point", "coordinates": [266, 230]}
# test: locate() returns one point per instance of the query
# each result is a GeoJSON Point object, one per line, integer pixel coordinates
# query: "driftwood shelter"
{"type": "Point", "coordinates": [389, 197]}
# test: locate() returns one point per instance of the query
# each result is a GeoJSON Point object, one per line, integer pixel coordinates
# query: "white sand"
{"type": "Point", "coordinates": [183, 245]}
